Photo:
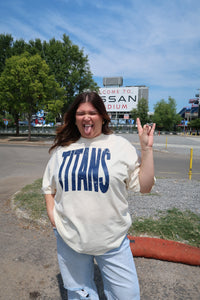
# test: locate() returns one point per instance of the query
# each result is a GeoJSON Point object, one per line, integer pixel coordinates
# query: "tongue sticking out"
{"type": "Point", "coordinates": [87, 129]}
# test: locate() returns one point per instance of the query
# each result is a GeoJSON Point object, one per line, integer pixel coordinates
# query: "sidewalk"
{"type": "Point", "coordinates": [21, 140]}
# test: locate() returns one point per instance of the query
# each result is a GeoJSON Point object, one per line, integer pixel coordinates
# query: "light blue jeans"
{"type": "Point", "coordinates": [117, 269]}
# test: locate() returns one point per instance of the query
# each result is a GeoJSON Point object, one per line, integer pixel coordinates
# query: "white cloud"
{"type": "Point", "coordinates": [160, 50]}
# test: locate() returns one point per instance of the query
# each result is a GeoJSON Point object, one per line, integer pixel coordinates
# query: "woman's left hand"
{"type": "Point", "coordinates": [145, 134]}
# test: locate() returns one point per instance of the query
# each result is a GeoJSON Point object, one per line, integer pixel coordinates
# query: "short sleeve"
{"type": "Point", "coordinates": [48, 182]}
{"type": "Point", "coordinates": [133, 182]}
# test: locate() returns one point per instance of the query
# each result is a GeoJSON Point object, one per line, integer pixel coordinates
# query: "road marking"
{"type": "Point", "coordinates": [193, 173]}
{"type": "Point", "coordinates": [169, 172]}
{"type": "Point", "coordinates": [177, 146]}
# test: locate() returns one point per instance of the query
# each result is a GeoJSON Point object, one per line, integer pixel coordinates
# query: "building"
{"type": "Point", "coordinates": [192, 112]}
{"type": "Point", "coordinates": [120, 100]}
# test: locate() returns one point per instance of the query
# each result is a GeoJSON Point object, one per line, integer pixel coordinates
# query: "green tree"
{"type": "Point", "coordinates": [134, 114]}
{"type": "Point", "coordinates": [6, 41]}
{"type": "Point", "coordinates": [26, 87]}
{"type": "Point", "coordinates": [165, 115]}
{"type": "Point", "coordinates": [195, 124]}
{"type": "Point", "coordinates": [142, 109]}
{"type": "Point", "coordinates": [50, 118]}
{"type": "Point", "coordinates": [9, 47]}
{"type": "Point", "coordinates": [68, 64]}
{"type": "Point", "coordinates": [19, 47]}
{"type": "Point", "coordinates": [54, 108]}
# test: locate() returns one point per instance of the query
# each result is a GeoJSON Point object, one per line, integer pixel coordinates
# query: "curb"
{"type": "Point", "coordinates": [164, 250]}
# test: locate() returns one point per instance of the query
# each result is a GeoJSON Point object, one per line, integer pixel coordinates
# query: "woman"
{"type": "Point", "coordinates": [85, 186]}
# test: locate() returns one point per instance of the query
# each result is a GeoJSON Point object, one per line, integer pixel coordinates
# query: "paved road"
{"type": "Point", "coordinates": [28, 255]}
{"type": "Point", "coordinates": [172, 155]}
{"type": "Point", "coordinates": [172, 159]}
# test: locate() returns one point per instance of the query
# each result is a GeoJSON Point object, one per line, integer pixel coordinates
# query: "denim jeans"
{"type": "Point", "coordinates": [117, 269]}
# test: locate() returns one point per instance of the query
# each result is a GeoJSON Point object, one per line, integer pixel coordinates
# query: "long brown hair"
{"type": "Point", "coordinates": [68, 133]}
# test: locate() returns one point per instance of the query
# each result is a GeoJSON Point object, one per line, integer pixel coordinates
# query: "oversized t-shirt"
{"type": "Point", "coordinates": [90, 180]}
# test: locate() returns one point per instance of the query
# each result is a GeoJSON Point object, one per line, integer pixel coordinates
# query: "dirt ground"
{"type": "Point", "coordinates": [29, 268]}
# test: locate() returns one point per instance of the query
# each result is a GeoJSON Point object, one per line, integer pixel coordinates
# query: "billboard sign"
{"type": "Point", "coordinates": [121, 99]}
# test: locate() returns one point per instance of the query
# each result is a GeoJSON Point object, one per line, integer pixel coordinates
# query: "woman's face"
{"type": "Point", "coordinates": [88, 120]}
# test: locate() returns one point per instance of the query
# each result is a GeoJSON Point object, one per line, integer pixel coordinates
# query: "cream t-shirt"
{"type": "Point", "coordinates": [90, 180]}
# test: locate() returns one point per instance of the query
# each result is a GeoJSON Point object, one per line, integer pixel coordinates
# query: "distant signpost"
{"type": "Point", "coordinates": [6, 123]}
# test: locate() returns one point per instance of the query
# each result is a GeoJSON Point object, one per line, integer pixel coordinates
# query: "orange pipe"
{"type": "Point", "coordinates": [164, 250]}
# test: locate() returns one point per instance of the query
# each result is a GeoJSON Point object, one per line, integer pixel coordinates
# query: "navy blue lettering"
{"type": "Point", "coordinates": [77, 153]}
{"type": "Point", "coordinates": [65, 154]}
{"type": "Point", "coordinates": [94, 170]}
{"type": "Point", "coordinates": [104, 186]}
{"type": "Point", "coordinates": [67, 170]}
{"type": "Point", "coordinates": [82, 170]}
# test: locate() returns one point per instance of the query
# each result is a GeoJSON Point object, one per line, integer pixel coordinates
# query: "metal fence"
{"type": "Point", "coordinates": [23, 130]}
{"type": "Point", "coordinates": [50, 131]}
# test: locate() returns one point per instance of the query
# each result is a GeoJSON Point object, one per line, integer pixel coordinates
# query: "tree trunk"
{"type": "Point", "coordinates": [29, 127]}
{"type": "Point", "coordinates": [17, 124]}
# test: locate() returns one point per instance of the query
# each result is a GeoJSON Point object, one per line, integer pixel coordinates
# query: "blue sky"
{"type": "Point", "coordinates": [148, 42]}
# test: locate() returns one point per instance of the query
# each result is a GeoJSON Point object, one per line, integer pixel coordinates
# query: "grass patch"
{"type": "Point", "coordinates": [173, 224]}
{"type": "Point", "coordinates": [182, 226]}
{"type": "Point", "coordinates": [31, 200]}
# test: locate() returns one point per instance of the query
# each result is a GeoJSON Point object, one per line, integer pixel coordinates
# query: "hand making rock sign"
{"type": "Point", "coordinates": [146, 175]}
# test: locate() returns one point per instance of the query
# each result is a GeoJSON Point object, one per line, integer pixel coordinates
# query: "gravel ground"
{"type": "Point", "coordinates": [166, 193]}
